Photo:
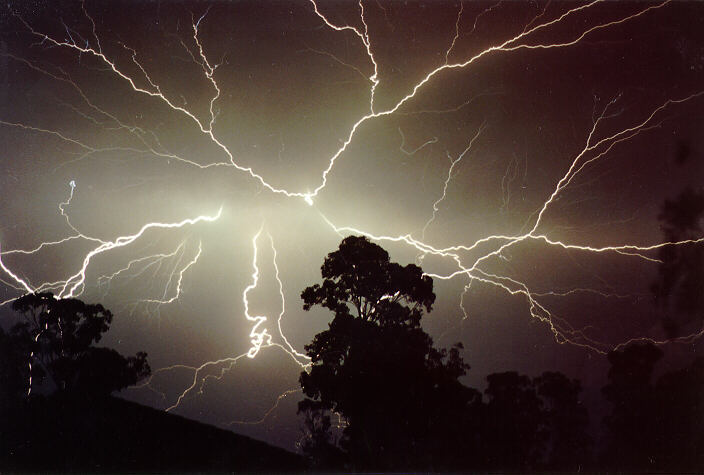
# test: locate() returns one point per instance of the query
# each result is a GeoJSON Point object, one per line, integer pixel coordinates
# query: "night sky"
{"type": "Point", "coordinates": [534, 135]}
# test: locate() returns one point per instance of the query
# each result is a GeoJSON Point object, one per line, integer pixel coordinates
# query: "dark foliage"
{"type": "Point", "coordinates": [680, 419]}
{"type": "Point", "coordinates": [375, 367]}
{"type": "Point", "coordinates": [679, 289]}
{"type": "Point", "coordinates": [631, 424]}
{"type": "Point", "coordinates": [56, 338]}
{"type": "Point", "coordinates": [513, 437]}
{"type": "Point", "coordinates": [403, 407]}
{"type": "Point", "coordinates": [654, 427]}
{"type": "Point", "coordinates": [565, 420]}
{"type": "Point", "coordinates": [70, 423]}
{"type": "Point", "coordinates": [360, 275]}
{"type": "Point", "coordinates": [13, 370]}
{"type": "Point", "coordinates": [400, 399]}
{"type": "Point", "coordinates": [534, 424]}
{"type": "Point", "coordinates": [320, 447]}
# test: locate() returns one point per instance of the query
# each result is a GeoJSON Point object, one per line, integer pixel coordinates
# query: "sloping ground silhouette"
{"type": "Point", "coordinates": [113, 435]}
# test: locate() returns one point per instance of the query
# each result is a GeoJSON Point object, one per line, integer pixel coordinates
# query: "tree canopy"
{"type": "Point", "coordinates": [360, 276]}
{"type": "Point", "coordinates": [653, 426]}
{"type": "Point", "coordinates": [400, 405]}
{"type": "Point", "coordinates": [399, 400]}
{"type": "Point", "coordinates": [375, 366]}
{"type": "Point", "coordinates": [55, 342]}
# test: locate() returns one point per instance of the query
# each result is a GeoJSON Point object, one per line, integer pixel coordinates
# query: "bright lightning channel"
{"type": "Point", "coordinates": [260, 338]}
{"type": "Point", "coordinates": [74, 284]}
{"type": "Point", "coordinates": [511, 44]}
{"type": "Point", "coordinates": [562, 331]}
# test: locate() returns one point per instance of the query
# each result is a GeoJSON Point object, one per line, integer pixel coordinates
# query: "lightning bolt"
{"type": "Point", "coordinates": [562, 331]}
{"type": "Point", "coordinates": [76, 281]}
{"type": "Point", "coordinates": [412, 152]}
{"type": "Point", "coordinates": [470, 261]}
{"type": "Point", "coordinates": [453, 163]}
{"type": "Point", "coordinates": [105, 280]}
{"type": "Point", "coordinates": [165, 299]}
{"type": "Point", "coordinates": [73, 285]}
{"type": "Point", "coordinates": [511, 44]}
{"type": "Point", "coordinates": [257, 337]}
{"type": "Point", "coordinates": [266, 414]}
{"type": "Point", "coordinates": [260, 338]}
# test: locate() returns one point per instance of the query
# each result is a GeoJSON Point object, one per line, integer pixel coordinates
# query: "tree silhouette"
{"type": "Point", "coordinates": [513, 436]}
{"type": "Point", "coordinates": [320, 447]}
{"type": "Point", "coordinates": [631, 427]}
{"type": "Point", "coordinates": [656, 427]}
{"type": "Point", "coordinates": [54, 382]}
{"type": "Point", "coordinates": [679, 288]}
{"type": "Point", "coordinates": [534, 424]}
{"type": "Point", "coordinates": [55, 339]}
{"type": "Point", "coordinates": [13, 370]}
{"type": "Point", "coordinates": [680, 419]}
{"type": "Point", "coordinates": [565, 418]}
{"type": "Point", "coordinates": [660, 426]}
{"type": "Point", "coordinates": [400, 398]}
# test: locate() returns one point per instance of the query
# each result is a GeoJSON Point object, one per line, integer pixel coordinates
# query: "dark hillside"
{"type": "Point", "coordinates": [113, 435]}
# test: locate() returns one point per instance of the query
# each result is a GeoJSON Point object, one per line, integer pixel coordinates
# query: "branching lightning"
{"type": "Point", "coordinates": [259, 338]}
{"type": "Point", "coordinates": [563, 332]}
{"type": "Point", "coordinates": [472, 262]}
{"type": "Point", "coordinates": [453, 163]}
{"type": "Point", "coordinates": [73, 285]}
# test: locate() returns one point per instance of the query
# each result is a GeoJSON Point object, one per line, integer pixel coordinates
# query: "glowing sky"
{"type": "Point", "coordinates": [190, 164]}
